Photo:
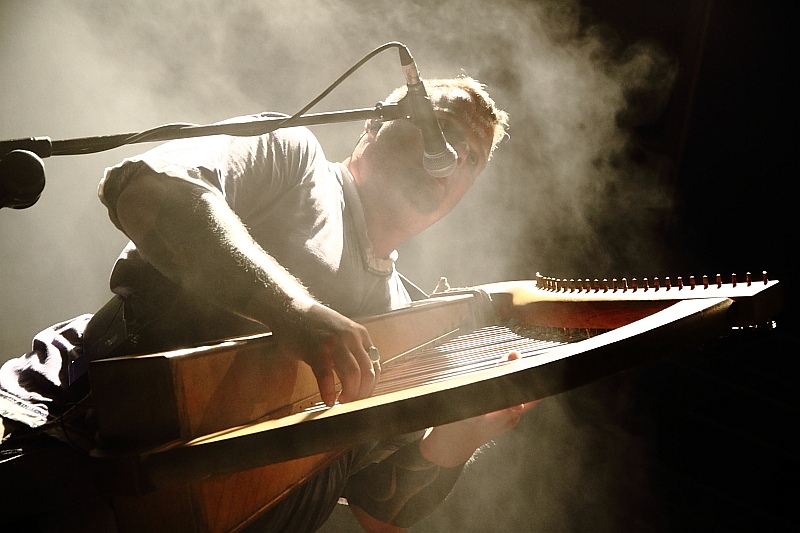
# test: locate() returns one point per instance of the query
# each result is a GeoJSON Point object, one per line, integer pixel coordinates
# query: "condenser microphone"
{"type": "Point", "coordinates": [440, 158]}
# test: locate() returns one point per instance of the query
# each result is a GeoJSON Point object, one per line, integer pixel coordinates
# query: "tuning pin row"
{"type": "Point", "coordinates": [597, 285]}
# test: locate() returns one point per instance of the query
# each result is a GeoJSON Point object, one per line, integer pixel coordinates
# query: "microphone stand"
{"type": "Point", "coordinates": [22, 171]}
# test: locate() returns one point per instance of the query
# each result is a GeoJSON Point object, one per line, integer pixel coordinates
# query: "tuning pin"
{"type": "Point", "coordinates": [668, 283]}
{"type": "Point", "coordinates": [705, 281]}
{"type": "Point", "coordinates": [691, 282]}
{"type": "Point", "coordinates": [719, 281]}
{"type": "Point", "coordinates": [680, 282]}
{"type": "Point", "coordinates": [624, 284]}
{"type": "Point", "coordinates": [733, 279]}
{"type": "Point", "coordinates": [656, 283]}
{"type": "Point", "coordinates": [614, 284]}
{"type": "Point", "coordinates": [764, 276]}
{"type": "Point", "coordinates": [444, 286]}
{"type": "Point", "coordinates": [645, 283]}
{"type": "Point", "coordinates": [605, 285]}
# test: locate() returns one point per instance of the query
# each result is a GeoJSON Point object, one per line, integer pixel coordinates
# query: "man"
{"type": "Point", "coordinates": [236, 235]}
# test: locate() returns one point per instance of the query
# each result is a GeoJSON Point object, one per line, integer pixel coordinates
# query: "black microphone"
{"type": "Point", "coordinates": [440, 158]}
{"type": "Point", "coordinates": [21, 179]}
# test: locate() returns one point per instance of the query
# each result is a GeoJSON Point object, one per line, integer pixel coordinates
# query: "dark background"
{"type": "Point", "coordinates": [702, 440]}
{"type": "Point", "coordinates": [725, 414]}
{"type": "Point", "coordinates": [711, 427]}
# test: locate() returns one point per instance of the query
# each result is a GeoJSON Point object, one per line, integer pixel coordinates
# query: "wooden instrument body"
{"type": "Point", "coordinates": [152, 403]}
{"type": "Point", "coordinates": [211, 440]}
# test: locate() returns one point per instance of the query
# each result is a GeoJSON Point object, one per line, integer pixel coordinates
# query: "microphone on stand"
{"type": "Point", "coordinates": [440, 158]}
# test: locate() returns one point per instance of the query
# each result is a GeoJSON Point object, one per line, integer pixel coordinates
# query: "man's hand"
{"type": "Point", "coordinates": [332, 343]}
{"type": "Point", "coordinates": [193, 238]}
{"type": "Point", "coordinates": [453, 444]}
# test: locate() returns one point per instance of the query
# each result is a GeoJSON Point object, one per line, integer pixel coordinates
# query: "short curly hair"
{"type": "Point", "coordinates": [466, 98]}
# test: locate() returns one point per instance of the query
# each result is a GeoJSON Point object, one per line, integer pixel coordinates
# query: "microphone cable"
{"type": "Point", "coordinates": [103, 143]}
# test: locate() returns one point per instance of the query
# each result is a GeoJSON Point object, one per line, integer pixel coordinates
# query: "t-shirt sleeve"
{"type": "Point", "coordinates": [245, 171]}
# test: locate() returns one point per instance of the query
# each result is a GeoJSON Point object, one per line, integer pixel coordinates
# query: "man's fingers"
{"type": "Point", "coordinates": [355, 370]}
{"type": "Point", "coordinates": [377, 368]}
{"type": "Point", "coordinates": [365, 356]}
{"type": "Point", "coordinates": [368, 369]}
{"type": "Point", "coordinates": [514, 413]}
{"type": "Point", "coordinates": [529, 405]}
{"type": "Point", "coordinates": [327, 386]}
{"type": "Point", "coordinates": [349, 371]}
{"type": "Point", "coordinates": [375, 360]}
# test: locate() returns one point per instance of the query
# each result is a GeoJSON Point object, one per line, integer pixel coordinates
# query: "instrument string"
{"type": "Point", "coordinates": [451, 357]}
{"type": "Point", "coordinates": [479, 350]}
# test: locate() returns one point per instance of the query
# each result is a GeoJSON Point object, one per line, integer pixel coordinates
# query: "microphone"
{"type": "Point", "coordinates": [21, 179]}
{"type": "Point", "coordinates": [440, 158]}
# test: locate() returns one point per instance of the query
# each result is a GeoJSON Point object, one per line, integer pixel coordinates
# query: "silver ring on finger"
{"type": "Point", "coordinates": [374, 354]}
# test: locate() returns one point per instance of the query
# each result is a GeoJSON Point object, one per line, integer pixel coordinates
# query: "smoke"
{"type": "Point", "coordinates": [569, 193]}
{"type": "Point", "coordinates": [562, 194]}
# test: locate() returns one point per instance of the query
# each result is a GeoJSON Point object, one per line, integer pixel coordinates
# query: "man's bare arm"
{"type": "Point", "coordinates": [194, 239]}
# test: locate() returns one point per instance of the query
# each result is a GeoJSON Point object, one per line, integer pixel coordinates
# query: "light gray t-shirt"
{"type": "Point", "coordinates": [302, 209]}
